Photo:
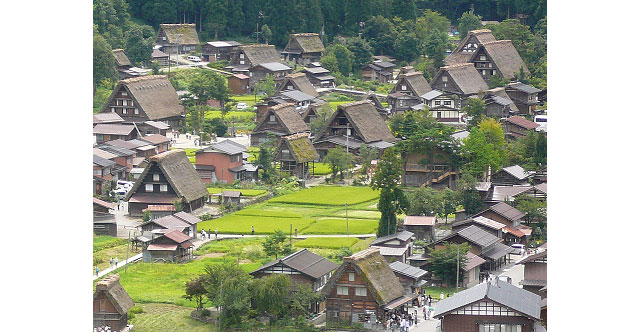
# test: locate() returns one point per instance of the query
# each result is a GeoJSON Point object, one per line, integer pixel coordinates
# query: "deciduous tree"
{"type": "Point", "coordinates": [467, 22]}
{"type": "Point", "coordinates": [339, 161]}
{"type": "Point", "coordinates": [444, 262]}
{"type": "Point", "coordinates": [392, 201]}
{"type": "Point", "coordinates": [196, 290]}
{"type": "Point", "coordinates": [276, 244]}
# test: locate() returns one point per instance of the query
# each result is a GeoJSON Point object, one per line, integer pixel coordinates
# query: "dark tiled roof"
{"type": "Point", "coordinates": [505, 210]}
{"type": "Point", "coordinates": [402, 236]}
{"type": "Point", "coordinates": [522, 122]}
{"type": "Point", "coordinates": [102, 162]}
{"type": "Point", "coordinates": [407, 270]}
{"type": "Point", "coordinates": [306, 262]}
{"type": "Point", "coordinates": [523, 87]}
{"type": "Point", "coordinates": [478, 236]}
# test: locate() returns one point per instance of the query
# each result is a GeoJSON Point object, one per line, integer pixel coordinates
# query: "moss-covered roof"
{"type": "Point", "coordinates": [301, 147]}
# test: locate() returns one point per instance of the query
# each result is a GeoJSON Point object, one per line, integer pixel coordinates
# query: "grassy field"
{"type": "Point", "coordinates": [339, 226]}
{"type": "Point", "coordinates": [228, 245]}
{"type": "Point", "coordinates": [269, 213]}
{"type": "Point", "coordinates": [239, 224]}
{"type": "Point", "coordinates": [361, 214]}
{"type": "Point", "coordinates": [435, 291]}
{"type": "Point", "coordinates": [249, 99]}
{"type": "Point", "coordinates": [102, 242]}
{"type": "Point", "coordinates": [101, 258]}
{"type": "Point", "coordinates": [164, 282]}
{"type": "Point", "coordinates": [321, 169]}
{"type": "Point", "coordinates": [167, 317]}
{"type": "Point", "coordinates": [233, 115]}
{"type": "Point", "coordinates": [326, 242]}
{"type": "Point", "coordinates": [189, 152]}
{"type": "Point", "coordinates": [329, 195]}
{"type": "Point", "coordinates": [245, 192]}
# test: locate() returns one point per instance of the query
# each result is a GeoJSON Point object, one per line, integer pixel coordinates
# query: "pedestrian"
{"type": "Point", "coordinates": [253, 231]}
{"type": "Point", "coordinates": [393, 325]}
{"type": "Point", "coordinates": [116, 261]}
{"type": "Point", "coordinates": [424, 312]}
{"type": "Point", "coordinates": [209, 233]}
{"type": "Point", "coordinates": [216, 233]}
{"type": "Point", "coordinates": [410, 319]}
{"type": "Point", "coordinates": [97, 270]}
{"type": "Point", "coordinates": [296, 232]}
{"type": "Point", "coordinates": [111, 262]}
{"type": "Point", "coordinates": [415, 315]}
{"type": "Point", "coordinates": [429, 299]}
{"type": "Point", "coordinates": [441, 296]}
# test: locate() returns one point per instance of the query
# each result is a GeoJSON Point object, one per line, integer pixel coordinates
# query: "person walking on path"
{"type": "Point", "coordinates": [111, 262]}
{"type": "Point", "coordinates": [216, 233]}
{"type": "Point", "coordinates": [424, 312]}
{"type": "Point", "coordinates": [116, 261]}
{"type": "Point", "coordinates": [429, 299]}
{"type": "Point", "coordinates": [97, 270]}
{"type": "Point", "coordinates": [253, 231]}
{"type": "Point", "coordinates": [209, 233]}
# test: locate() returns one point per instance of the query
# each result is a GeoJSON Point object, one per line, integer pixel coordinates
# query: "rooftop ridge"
{"type": "Point", "coordinates": [176, 24]}
{"type": "Point", "coordinates": [360, 102]}
{"type": "Point", "coordinates": [142, 78]}
{"type": "Point", "coordinates": [473, 32]}
{"type": "Point", "coordinates": [296, 75]}
{"type": "Point", "coordinates": [296, 136]}
{"type": "Point", "coordinates": [281, 106]}
{"type": "Point", "coordinates": [458, 65]}
{"type": "Point", "coordinates": [503, 41]}
{"type": "Point", "coordinates": [304, 34]}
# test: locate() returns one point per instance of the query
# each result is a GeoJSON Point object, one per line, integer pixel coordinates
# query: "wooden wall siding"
{"type": "Point", "coordinates": [122, 100]}
{"type": "Point", "coordinates": [535, 271]}
{"type": "Point", "coordinates": [514, 129]}
{"type": "Point", "coordinates": [504, 178]}
{"type": "Point", "coordinates": [347, 305]}
{"type": "Point", "coordinates": [148, 179]}
{"type": "Point", "coordinates": [448, 86]}
{"type": "Point", "coordinates": [456, 323]}
{"type": "Point", "coordinates": [496, 110]}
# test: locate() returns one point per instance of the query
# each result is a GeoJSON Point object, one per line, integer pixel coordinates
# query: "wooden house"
{"type": "Point", "coordinates": [143, 149]}
{"type": "Point", "coordinates": [111, 303]}
{"type": "Point", "coordinates": [498, 57]}
{"type": "Point", "coordinates": [177, 38]}
{"type": "Point", "coordinates": [490, 306]}
{"type": "Point", "coordinates": [535, 273]}
{"type": "Point", "coordinates": [224, 162]}
{"type": "Point", "coordinates": [351, 125]}
{"type": "Point", "coordinates": [490, 226]}
{"type": "Point", "coordinates": [297, 81]}
{"type": "Point", "coordinates": [411, 278]}
{"type": "Point", "coordinates": [524, 96]}
{"type": "Point", "coordinates": [432, 168]}
{"type": "Point", "coordinates": [311, 113]}
{"type": "Point", "coordinates": [462, 80]}
{"type": "Point", "coordinates": [145, 98]}
{"type": "Point", "coordinates": [411, 84]}
{"type": "Point", "coordinates": [111, 118]}
{"type": "Point", "coordinates": [320, 77]}
{"type": "Point", "coordinates": [498, 103]}
{"type": "Point", "coordinates": [246, 59]}
{"type": "Point", "coordinates": [303, 268]}
{"type": "Point", "coordinates": [181, 221]}
{"type": "Point", "coordinates": [395, 247]}
{"type": "Point", "coordinates": [160, 57]}
{"type": "Point", "coordinates": [364, 290]}
{"type": "Point", "coordinates": [239, 84]}
{"type": "Point", "coordinates": [103, 168]}
{"type": "Point", "coordinates": [159, 211]}
{"type": "Point", "coordinates": [168, 177]}
{"type": "Point", "coordinates": [516, 127]}
{"type": "Point", "coordinates": [220, 50]}
{"type": "Point", "coordinates": [444, 107]}
{"type": "Point", "coordinates": [294, 153]}
{"type": "Point", "coordinates": [471, 270]}
{"type": "Point", "coordinates": [105, 132]}
{"type": "Point", "coordinates": [260, 71]}
{"type": "Point", "coordinates": [121, 156]}
{"type": "Point", "coordinates": [159, 141]}
{"type": "Point", "coordinates": [381, 71]}
{"type": "Point", "coordinates": [104, 222]}
{"type": "Point", "coordinates": [513, 232]}
{"type": "Point", "coordinates": [125, 68]}
{"type": "Point", "coordinates": [423, 227]}
{"type": "Point", "coordinates": [482, 243]}
{"type": "Point", "coordinates": [173, 246]}
{"type": "Point", "coordinates": [300, 99]}
{"type": "Point", "coordinates": [303, 48]}
{"type": "Point", "coordinates": [467, 46]}
{"type": "Point", "coordinates": [153, 127]}
{"type": "Point", "coordinates": [280, 120]}
{"type": "Point", "coordinates": [512, 175]}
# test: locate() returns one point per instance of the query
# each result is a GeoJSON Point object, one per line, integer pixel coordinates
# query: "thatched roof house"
{"type": "Point", "coordinates": [362, 285]}
{"type": "Point", "coordinates": [184, 34]}
{"type": "Point", "coordinates": [473, 40]}
{"type": "Point", "coordinates": [304, 48]}
{"type": "Point", "coordinates": [121, 58]}
{"type": "Point", "coordinates": [504, 56]}
{"type": "Point", "coordinates": [294, 153]}
{"type": "Point", "coordinates": [169, 176]}
{"type": "Point", "coordinates": [145, 98]}
{"type": "Point", "coordinates": [257, 54]}
{"type": "Point", "coordinates": [412, 83]}
{"type": "Point", "coordinates": [279, 120]}
{"type": "Point", "coordinates": [111, 303]}
{"type": "Point", "coordinates": [297, 81]}
{"type": "Point", "coordinates": [462, 79]}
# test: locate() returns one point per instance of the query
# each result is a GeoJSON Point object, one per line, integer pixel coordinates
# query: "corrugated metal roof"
{"type": "Point", "coordinates": [419, 221]}
{"type": "Point", "coordinates": [297, 95]}
{"type": "Point", "coordinates": [478, 236]}
{"type": "Point", "coordinates": [188, 218]}
{"type": "Point", "coordinates": [407, 270]}
{"type": "Point", "coordinates": [102, 162]}
{"type": "Point", "coordinates": [274, 66]}
{"type": "Point", "coordinates": [162, 247]}
{"type": "Point", "coordinates": [473, 261]}
{"type": "Point", "coordinates": [113, 129]}
{"type": "Point", "coordinates": [518, 172]}
{"type": "Point", "coordinates": [177, 236]}
{"type": "Point", "coordinates": [506, 211]}
{"type": "Point", "coordinates": [304, 261]}
{"type": "Point", "coordinates": [523, 87]}
{"type": "Point", "coordinates": [498, 251]}
{"type": "Point", "coordinates": [402, 236]}
{"type": "Point", "coordinates": [388, 251]}
{"type": "Point", "coordinates": [431, 94]}
{"type": "Point", "coordinates": [227, 146]}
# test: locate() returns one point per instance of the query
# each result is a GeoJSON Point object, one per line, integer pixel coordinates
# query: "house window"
{"type": "Point", "coordinates": [484, 72]}
{"type": "Point", "coordinates": [361, 291]}
{"type": "Point", "coordinates": [156, 177]}
{"type": "Point", "coordinates": [241, 55]}
{"type": "Point", "coordinates": [113, 109]}
{"type": "Point", "coordinates": [250, 74]}
{"type": "Point", "coordinates": [404, 88]}
{"type": "Point", "coordinates": [99, 137]}
{"type": "Point", "coordinates": [343, 290]}
{"type": "Point", "coordinates": [124, 93]}
{"type": "Point", "coordinates": [447, 103]}
{"type": "Point", "coordinates": [490, 65]}
{"type": "Point", "coordinates": [97, 172]}
{"type": "Point", "coordinates": [242, 62]}
{"type": "Point", "coordinates": [437, 103]}
{"type": "Point", "coordinates": [148, 187]}
{"type": "Point", "coordinates": [499, 328]}
{"type": "Point", "coordinates": [439, 115]}
{"type": "Point", "coordinates": [124, 111]}
{"type": "Point", "coordinates": [483, 58]}
{"type": "Point", "coordinates": [445, 78]}
{"type": "Point", "coordinates": [493, 72]}
{"type": "Point", "coordinates": [352, 276]}
{"type": "Point", "coordinates": [135, 111]}
{"type": "Point", "coordinates": [164, 38]}
{"type": "Point", "coordinates": [163, 188]}
{"type": "Point", "coordinates": [272, 118]}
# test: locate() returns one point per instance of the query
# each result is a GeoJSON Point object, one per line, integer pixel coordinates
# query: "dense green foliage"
{"type": "Point", "coordinates": [393, 201]}
{"type": "Point", "coordinates": [339, 161]}
{"type": "Point", "coordinates": [444, 262]}
{"type": "Point", "coordinates": [484, 148]}
{"type": "Point", "coordinates": [276, 244]}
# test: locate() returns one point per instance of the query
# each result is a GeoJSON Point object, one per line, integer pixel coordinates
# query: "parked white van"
{"type": "Point", "coordinates": [542, 121]}
{"type": "Point", "coordinates": [193, 58]}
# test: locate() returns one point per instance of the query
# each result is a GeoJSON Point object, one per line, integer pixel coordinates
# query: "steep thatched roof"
{"type": "Point", "coordinates": [375, 271]}
{"type": "Point", "coordinates": [110, 286]}
{"type": "Point", "coordinates": [366, 121]}
{"type": "Point", "coordinates": [184, 34]}
{"type": "Point", "coordinates": [260, 53]}
{"type": "Point", "coordinates": [309, 42]}
{"type": "Point", "coordinates": [465, 76]}
{"type": "Point", "coordinates": [301, 148]}
{"type": "Point", "coordinates": [416, 82]}
{"type": "Point", "coordinates": [121, 58]}
{"type": "Point", "coordinates": [482, 36]}
{"type": "Point", "coordinates": [373, 98]}
{"type": "Point", "coordinates": [154, 94]}
{"type": "Point", "coordinates": [300, 82]}
{"type": "Point", "coordinates": [287, 115]}
{"type": "Point", "coordinates": [506, 57]}
{"type": "Point", "coordinates": [458, 58]}
{"type": "Point", "coordinates": [177, 169]}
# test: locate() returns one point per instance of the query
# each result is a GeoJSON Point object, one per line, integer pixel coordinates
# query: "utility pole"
{"type": "Point", "coordinates": [458, 264]}
{"type": "Point", "coordinates": [128, 242]}
{"type": "Point", "coordinates": [346, 213]}
{"type": "Point", "coordinates": [347, 136]}
{"type": "Point", "coordinates": [290, 232]}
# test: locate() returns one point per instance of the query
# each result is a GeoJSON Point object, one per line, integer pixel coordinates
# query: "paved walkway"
{"type": "Point", "coordinates": [113, 268]}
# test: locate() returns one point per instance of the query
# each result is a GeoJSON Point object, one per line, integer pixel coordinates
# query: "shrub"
{"type": "Point", "coordinates": [136, 310]}
{"type": "Point", "coordinates": [146, 216]}
{"type": "Point", "coordinates": [253, 252]}
{"type": "Point", "coordinates": [205, 313]}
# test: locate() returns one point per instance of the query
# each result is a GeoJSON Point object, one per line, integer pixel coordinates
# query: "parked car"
{"type": "Point", "coordinates": [519, 246]}
{"type": "Point", "coordinates": [542, 121]}
{"type": "Point", "coordinates": [193, 58]}
{"type": "Point", "coordinates": [242, 106]}
{"type": "Point", "coordinates": [120, 193]}
{"type": "Point", "coordinates": [123, 183]}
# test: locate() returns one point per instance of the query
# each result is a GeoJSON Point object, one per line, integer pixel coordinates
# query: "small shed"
{"type": "Point", "coordinates": [239, 84]}
{"type": "Point", "coordinates": [422, 226]}
{"type": "Point", "coordinates": [412, 278]}
{"type": "Point", "coordinates": [173, 246]}
{"type": "Point", "coordinates": [230, 197]}
{"type": "Point", "coordinates": [159, 211]}
{"type": "Point", "coordinates": [111, 303]}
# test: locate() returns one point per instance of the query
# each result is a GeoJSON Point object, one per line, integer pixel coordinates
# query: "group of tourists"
{"type": "Point", "coordinates": [401, 323]}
